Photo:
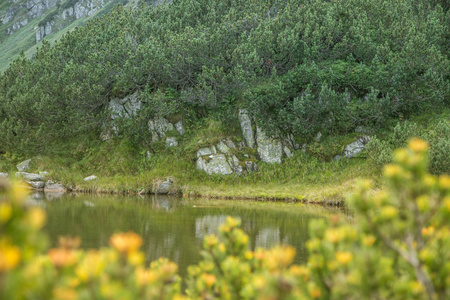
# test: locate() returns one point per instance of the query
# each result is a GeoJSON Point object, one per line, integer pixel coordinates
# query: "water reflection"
{"type": "Point", "coordinates": [174, 227]}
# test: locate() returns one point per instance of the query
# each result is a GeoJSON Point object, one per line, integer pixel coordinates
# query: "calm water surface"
{"type": "Point", "coordinates": [175, 227]}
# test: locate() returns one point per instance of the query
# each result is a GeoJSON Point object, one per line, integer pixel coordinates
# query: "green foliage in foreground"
{"type": "Point", "coordinates": [398, 250]}
{"type": "Point", "coordinates": [299, 66]}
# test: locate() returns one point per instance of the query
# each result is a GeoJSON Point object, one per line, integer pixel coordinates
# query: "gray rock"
{"type": "Point", "coordinates": [229, 143]}
{"type": "Point", "coordinates": [4, 175]}
{"type": "Point", "coordinates": [24, 166]}
{"type": "Point", "coordinates": [221, 147]}
{"type": "Point", "coordinates": [179, 127]}
{"type": "Point", "coordinates": [235, 165]}
{"type": "Point", "coordinates": [270, 150]}
{"type": "Point", "coordinates": [206, 151]}
{"type": "Point", "coordinates": [53, 186]}
{"type": "Point", "coordinates": [163, 187]}
{"type": "Point", "coordinates": [171, 142]}
{"type": "Point", "coordinates": [158, 127]}
{"type": "Point", "coordinates": [36, 184]}
{"type": "Point", "coordinates": [354, 148]}
{"type": "Point", "coordinates": [90, 178]}
{"type": "Point", "coordinates": [218, 165]}
{"type": "Point", "coordinates": [288, 151]}
{"type": "Point", "coordinates": [29, 176]}
{"type": "Point", "coordinates": [126, 107]}
{"type": "Point", "coordinates": [246, 127]}
{"type": "Point", "coordinates": [251, 166]}
{"type": "Point", "coordinates": [201, 164]}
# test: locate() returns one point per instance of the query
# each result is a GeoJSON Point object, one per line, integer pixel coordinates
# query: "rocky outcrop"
{"type": "Point", "coordinates": [246, 127]}
{"type": "Point", "coordinates": [160, 127]}
{"type": "Point", "coordinates": [354, 148]}
{"type": "Point", "coordinates": [215, 164]}
{"type": "Point", "coordinates": [52, 186]}
{"type": "Point", "coordinates": [221, 159]}
{"type": "Point", "coordinates": [29, 176]}
{"type": "Point", "coordinates": [126, 107]}
{"type": "Point", "coordinates": [24, 166]}
{"type": "Point", "coordinates": [163, 187]}
{"type": "Point", "coordinates": [270, 149]}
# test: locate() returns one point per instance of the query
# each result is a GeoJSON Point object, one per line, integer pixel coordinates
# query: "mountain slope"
{"type": "Point", "coordinates": [25, 23]}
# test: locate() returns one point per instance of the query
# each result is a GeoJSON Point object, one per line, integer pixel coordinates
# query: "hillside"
{"type": "Point", "coordinates": [25, 23]}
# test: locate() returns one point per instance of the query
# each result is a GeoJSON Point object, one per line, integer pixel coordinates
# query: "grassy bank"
{"type": "Point", "coordinates": [308, 176]}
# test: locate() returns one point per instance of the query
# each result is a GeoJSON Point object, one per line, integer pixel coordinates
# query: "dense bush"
{"type": "Point", "coordinates": [299, 65]}
{"type": "Point", "coordinates": [380, 150]}
{"type": "Point", "coordinates": [398, 248]}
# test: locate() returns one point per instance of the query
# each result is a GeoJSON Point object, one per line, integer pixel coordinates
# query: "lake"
{"type": "Point", "coordinates": [174, 227]}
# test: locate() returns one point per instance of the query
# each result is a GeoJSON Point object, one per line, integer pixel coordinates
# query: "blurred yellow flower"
{"type": "Point", "coordinates": [136, 258]}
{"type": "Point", "coordinates": [144, 277]}
{"type": "Point", "coordinates": [392, 170]}
{"type": "Point", "coordinates": [444, 182]}
{"type": "Point", "coordinates": [5, 212]}
{"type": "Point", "coordinates": [368, 240]}
{"type": "Point", "coordinates": [9, 256]}
{"type": "Point", "coordinates": [61, 257]}
{"type": "Point", "coordinates": [126, 242]}
{"type": "Point", "coordinates": [36, 217]}
{"type": "Point", "coordinates": [248, 255]}
{"type": "Point", "coordinates": [389, 212]}
{"type": "Point", "coordinates": [418, 145]}
{"type": "Point", "coordinates": [209, 279]}
{"type": "Point", "coordinates": [344, 257]}
{"type": "Point", "coordinates": [314, 291]}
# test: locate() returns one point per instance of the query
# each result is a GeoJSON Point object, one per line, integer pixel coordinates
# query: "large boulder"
{"type": "Point", "coordinates": [270, 150]}
{"type": "Point", "coordinates": [24, 166]}
{"type": "Point", "coordinates": [36, 184]}
{"type": "Point", "coordinates": [354, 148]}
{"type": "Point", "coordinates": [52, 186]}
{"type": "Point", "coordinates": [4, 175]}
{"type": "Point", "coordinates": [163, 187]}
{"type": "Point", "coordinates": [246, 127]}
{"type": "Point", "coordinates": [29, 176]}
{"type": "Point", "coordinates": [214, 164]}
{"type": "Point", "coordinates": [125, 107]}
{"type": "Point", "coordinates": [206, 151]}
{"type": "Point", "coordinates": [158, 127]}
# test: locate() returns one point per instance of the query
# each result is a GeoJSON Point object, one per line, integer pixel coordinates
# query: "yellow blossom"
{"type": "Point", "coordinates": [248, 255]}
{"type": "Point", "coordinates": [9, 256]}
{"type": "Point", "coordinates": [144, 277]}
{"type": "Point", "coordinates": [418, 145]}
{"type": "Point", "coordinates": [428, 231]}
{"type": "Point", "coordinates": [344, 257]}
{"type": "Point", "coordinates": [209, 279]}
{"type": "Point", "coordinates": [368, 240]}
{"type": "Point", "coordinates": [135, 258]}
{"type": "Point", "coordinates": [36, 217]}
{"type": "Point", "coordinates": [392, 170]}
{"type": "Point", "coordinates": [222, 247]}
{"type": "Point", "coordinates": [5, 212]}
{"type": "Point", "coordinates": [444, 182]}
{"type": "Point", "coordinates": [18, 192]}
{"type": "Point", "coordinates": [61, 257]}
{"type": "Point", "coordinates": [126, 242]}
{"type": "Point", "coordinates": [314, 291]}
{"type": "Point", "coordinates": [389, 212]}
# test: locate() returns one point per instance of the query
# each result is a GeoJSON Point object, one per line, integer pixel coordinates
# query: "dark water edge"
{"type": "Point", "coordinates": [174, 227]}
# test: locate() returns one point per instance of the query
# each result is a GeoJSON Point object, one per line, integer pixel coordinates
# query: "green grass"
{"type": "Point", "coordinates": [122, 168]}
